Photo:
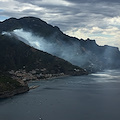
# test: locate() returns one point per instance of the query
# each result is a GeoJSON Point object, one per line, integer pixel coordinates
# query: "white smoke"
{"type": "Point", "coordinates": [32, 40]}
{"type": "Point", "coordinates": [35, 41]}
{"type": "Point", "coordinates": [71, 53]}
{"type": "Point", "coordinates": [6, 33]}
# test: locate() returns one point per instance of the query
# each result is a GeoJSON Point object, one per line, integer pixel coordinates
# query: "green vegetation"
{"type": "Point", "coordinates": [8, 84]}
{"type": "Point", "coordinates": [17, 55]}
{"type": "Point", "coordinates": [87, 54]}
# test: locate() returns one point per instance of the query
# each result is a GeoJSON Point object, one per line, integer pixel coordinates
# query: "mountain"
{"type": "Point", "coordinates": [20, 62]}
{"type": "Point", "coordinates": [17, 55]}
{"type": "Point", "coordinates": [83, 53]}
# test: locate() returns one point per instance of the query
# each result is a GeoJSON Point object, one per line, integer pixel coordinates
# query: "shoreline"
{"type": "Point", "coordinates": [24, 89]}
{"type": "Point", "coordinates": [36, 86]}
{"type": "Point", "coordinates": [49, 78]}
{"type": "Point", "coordinates": [8, 94]}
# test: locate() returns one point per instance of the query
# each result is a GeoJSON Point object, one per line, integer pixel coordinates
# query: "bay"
{"type": "Point", "coordinates": [92, 97]}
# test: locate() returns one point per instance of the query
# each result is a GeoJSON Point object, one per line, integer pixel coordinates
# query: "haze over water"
{"type": "Point", "coordinates": [91, 97]}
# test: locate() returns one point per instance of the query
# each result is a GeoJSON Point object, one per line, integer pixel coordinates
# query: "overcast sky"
{"type": "Point", "coordinates": [94, 19]}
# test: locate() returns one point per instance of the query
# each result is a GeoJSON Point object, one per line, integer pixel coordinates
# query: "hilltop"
{"type": "Point", "coordinates": [31, 49]}
{"type": "Point", "coordinates": [20, 63]}
{"type": "Point", "coordinates": [83, 53]}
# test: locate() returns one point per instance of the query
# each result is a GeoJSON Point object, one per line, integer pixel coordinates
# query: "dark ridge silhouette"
{"type": "Point", "coordinates": [15, 55]}
{"type": "Point", "coordinates": [83, 53]}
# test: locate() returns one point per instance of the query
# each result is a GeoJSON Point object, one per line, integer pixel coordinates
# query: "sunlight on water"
{"type": "Point", "coordinates": [107, 76]}
{"type": "Point", "coordinates": [102, 75]}
{"type": "Point", "coordinates": [90, 97]}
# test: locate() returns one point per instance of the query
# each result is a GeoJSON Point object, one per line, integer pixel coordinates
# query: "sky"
{"type": "Point", "coordinates": [95, 19]}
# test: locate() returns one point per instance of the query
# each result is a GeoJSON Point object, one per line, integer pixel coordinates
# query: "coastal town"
{"type": "Point", "coordinates": [23, 76]}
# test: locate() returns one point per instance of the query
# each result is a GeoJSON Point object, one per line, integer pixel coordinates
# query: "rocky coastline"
{"type": "Point", "coordinates": [10, 87]}
{"type": "Point", "coordinates": [23, 77]}
{"type": "Point", "coordinates": [7, 94]}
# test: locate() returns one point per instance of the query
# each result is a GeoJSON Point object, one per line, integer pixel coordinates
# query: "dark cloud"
{"type": "Point", "coordinates": [87, 7]}
{"type": "Point", "coordinates": [67, 14]}
{"type": "Point", "coordinates": [75, 1]}
{"type": "Point", "coordinates": [85, 15]}
{"type": "Point", "coordinates": [25, 1]}
{"type": "Point", "coordinates": [93, 1]}
{"type": "Point", "coordinates": [82, 13]}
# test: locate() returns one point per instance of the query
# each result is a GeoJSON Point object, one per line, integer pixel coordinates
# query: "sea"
{"type": "Point", "coordinates": [90, 97]}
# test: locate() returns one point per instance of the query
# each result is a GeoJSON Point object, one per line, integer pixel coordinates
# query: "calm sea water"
{"type": "Point", "coordinates": [92, 97]}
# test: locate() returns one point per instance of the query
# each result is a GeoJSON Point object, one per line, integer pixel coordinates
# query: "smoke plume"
{"type": "Point", "coordinates": [71, 53]}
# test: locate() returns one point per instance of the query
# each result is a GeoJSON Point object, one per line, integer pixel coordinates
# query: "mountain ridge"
{"type": "Point", "coordinates": [15, 55]}
{"type": "Point", "coordinates": [95, 57]}
{"type": "Point", "coordinates": [20, 63]}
